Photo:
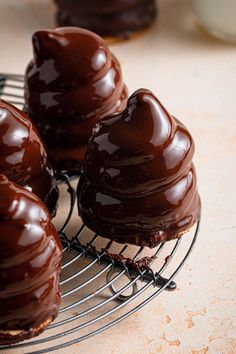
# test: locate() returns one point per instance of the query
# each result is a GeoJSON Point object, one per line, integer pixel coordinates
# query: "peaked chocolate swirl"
{"type": "Point", "coordinates": [22, 156]}
{"type": "Point", "coordinates": [116, 18]}
{"type": "Point", "coordinates": [138, 183]}
{"type": "Point", "coordinates": [73, 81]}
{"type": "Point", "coordinates": [30, 255]}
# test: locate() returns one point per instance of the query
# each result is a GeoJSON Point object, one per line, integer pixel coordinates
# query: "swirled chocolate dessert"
{"type": "Point", "coordinates": [72, 82]}
{"type": "Point", "coordinates": [138, 181]}
{"type": "Point", "coordinates": [30, 256]}
{"type": "Point", "coordinates": [22, 155]}
{"type": "Point", "coordinates": [116, 18]}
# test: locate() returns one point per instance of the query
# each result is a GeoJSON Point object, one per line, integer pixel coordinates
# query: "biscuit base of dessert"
{"type": "Point", "coordinates": [149, 239]}
{"type": "Point", "coordinates": [116, 37]}
{"type": "Point", "coordinates": [128, 37]}
{"type": "Point", "coordinates": [8, 337]}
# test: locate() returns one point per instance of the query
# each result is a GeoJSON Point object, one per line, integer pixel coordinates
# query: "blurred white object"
{"type": "Point", "coordinates": [218, 17]}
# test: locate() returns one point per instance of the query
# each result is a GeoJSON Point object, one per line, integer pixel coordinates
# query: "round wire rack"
{"type": "Point", "coordinates": [102, 282]}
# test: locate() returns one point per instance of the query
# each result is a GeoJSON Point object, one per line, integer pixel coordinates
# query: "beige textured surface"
{"type": "Point", "coordinates": [195, 77]}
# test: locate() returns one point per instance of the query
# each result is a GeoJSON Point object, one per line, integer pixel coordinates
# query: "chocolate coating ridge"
{"type": "Point", "coordinates": [138, 182]}
{"type": "Point", "coordinates": [30, 256]}
{"type": "Point", "coordinates": [73, 82]}
{"type": "Point", "coordinates": [22, 156]}
{"type": "Point", "coordinates": [116, 18]}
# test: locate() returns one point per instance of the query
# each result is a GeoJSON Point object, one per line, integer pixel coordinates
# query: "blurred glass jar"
{"type": "Point", "coordinates": [218, 17]}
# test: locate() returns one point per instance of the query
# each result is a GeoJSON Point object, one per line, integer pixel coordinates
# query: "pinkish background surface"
{"type": "Point", "coordinates": [194, 75]}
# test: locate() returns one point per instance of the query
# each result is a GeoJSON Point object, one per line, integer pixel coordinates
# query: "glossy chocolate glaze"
{"type": "Point", "coordinates": [30, 256]}
{"type": "Point", "coordinates": [73, 81]}
{"type": "Point", "coordinates": [116, 18]}
{"type": "Point", "coordinates": [138, 182]}
{"type": "Point", "coordinates": [22, 156]}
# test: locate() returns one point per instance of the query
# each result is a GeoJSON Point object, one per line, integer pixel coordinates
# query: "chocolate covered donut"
{"type": "Point", "coordinates": [30, 256]}
{"type": "Point", "coordinates": [138, 181]}
{"type": "Point", "coordinates": [72, 82]}
{"type": "Point", "coordinates": [116, 18]}
{"type": "Point", "coordinates": [22, 156]}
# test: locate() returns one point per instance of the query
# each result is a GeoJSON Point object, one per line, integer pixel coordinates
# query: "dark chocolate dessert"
{"type": "Point", "coordinates": [138, 181]}
{"type": "Point", "coordinates": [30, 256]}
{"type": "Point", "coordinates": [22, 156]}
{"type": "Point", "coordinates": [116, 18]}
{"type": "Point", "coordinates": [72, 82]}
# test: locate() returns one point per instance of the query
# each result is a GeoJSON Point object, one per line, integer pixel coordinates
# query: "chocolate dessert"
{"type": "Point", "coordinates": [116, 18]}
{"type": "Point", "coordinates": [22, 156]}
{"type": "Point", "coordinates": [72, 82]}
{"type": "Point", "coordinates": [30, 256]}
{"type": "Point", "coordinates": [138, 183]}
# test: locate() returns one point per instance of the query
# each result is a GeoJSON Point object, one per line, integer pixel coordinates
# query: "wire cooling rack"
{"type": "Point", "coordinates": [102, 282]}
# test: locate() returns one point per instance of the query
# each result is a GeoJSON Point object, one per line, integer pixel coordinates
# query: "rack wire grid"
{"type": "Point", "coordinates": [102, 282]}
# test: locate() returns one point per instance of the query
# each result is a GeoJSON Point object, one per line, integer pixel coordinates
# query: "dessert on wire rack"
{"type": "Point", "coordinates": [102, 282]}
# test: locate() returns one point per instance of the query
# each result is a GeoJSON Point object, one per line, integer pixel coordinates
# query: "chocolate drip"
{"type": "Point", "coordinates": [116, 18]}
{"type": "Point", "coordinates": [23, 158]}
{"type": "Point", "coordinates": [30, 256]}
{"type": "Point", "coordinates": [138, 182]}
{"type": "Point", "coordinates": [73, 81]}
